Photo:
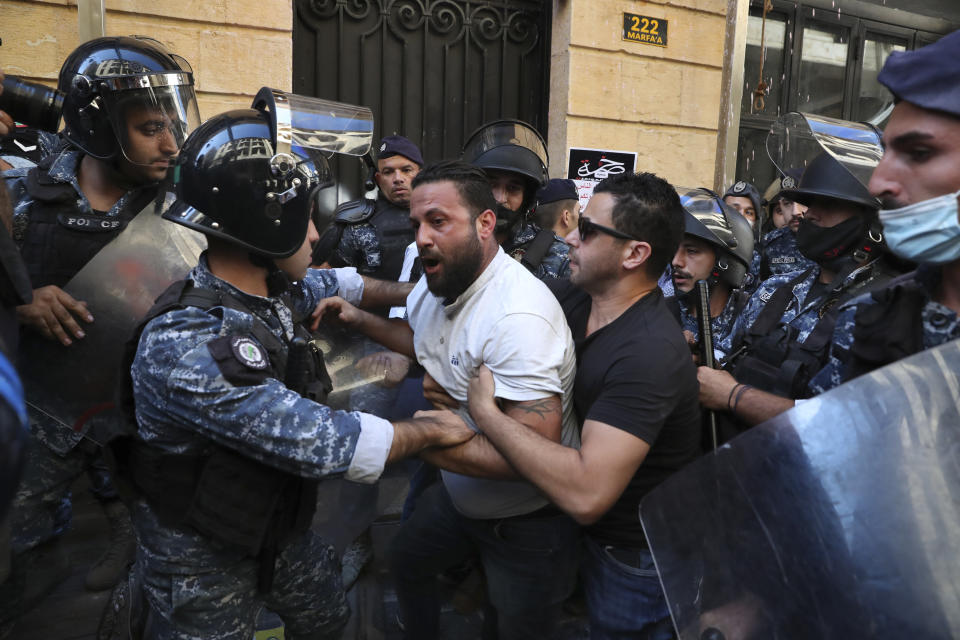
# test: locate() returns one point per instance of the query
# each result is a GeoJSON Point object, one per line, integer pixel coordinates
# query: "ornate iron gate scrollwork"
{"type": "Point", "coordinates": [432, 70]}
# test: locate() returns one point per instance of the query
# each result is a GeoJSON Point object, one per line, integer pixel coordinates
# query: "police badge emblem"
{"type": "Point", "coordinates": [788, 183]}
{"type": "Point", "coordinates": [249, 353]}
{"type": "Point", "coordinates": [739, 187]}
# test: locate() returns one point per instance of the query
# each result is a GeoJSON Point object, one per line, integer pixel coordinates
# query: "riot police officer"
{"type": "Point", "coordinates": [745, 198]}
{"type": "Point", "coordinates": [128, 104]}
{"type": "Point", "coordinates": [778, 251]}
{"type": "Point", "coordinates": [513, 155]}
{"type": "Point", "coordinates": [782, 338]}
{"type": "Point", "coordinates": [558, 210]}
{"type": "Point", "coordinates": [371, 235]}
{"type": "Point", "coordinates": [717, 247]}
{"type": "Point", "coordinates": [919, 216]}
{"type": "Point", "coordinates": [230, 435]}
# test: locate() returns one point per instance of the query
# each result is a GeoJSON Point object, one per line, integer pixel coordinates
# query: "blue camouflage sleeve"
{"type": "Point", "coordinates": [350, 251]}
{"type": "Point", "coordinates": [178, 383]}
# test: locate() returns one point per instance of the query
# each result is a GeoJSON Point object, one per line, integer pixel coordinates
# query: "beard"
{"type": "Point", "coordinates": [458, 271]}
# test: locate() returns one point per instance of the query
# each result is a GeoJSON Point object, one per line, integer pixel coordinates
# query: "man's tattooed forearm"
{"type": "Point", "coordinates": [542, 407]}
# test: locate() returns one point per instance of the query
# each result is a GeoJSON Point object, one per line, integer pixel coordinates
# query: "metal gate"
{"type": "Point", "coordinates": [431, 70]}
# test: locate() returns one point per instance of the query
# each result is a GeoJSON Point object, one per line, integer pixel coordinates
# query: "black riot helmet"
{"type": "Point", "coordinates": [249, 176]}
{"type": "Point", "coordinates": [825, 177]}
{"type": "Point", "coordinates": [709, 218]}
{"type": "Point", "coordinates": [108, 81]}
{"type": "Point", "coordinates": [510, 145]}
{"type": "Point", "coordinates": [837, 158]}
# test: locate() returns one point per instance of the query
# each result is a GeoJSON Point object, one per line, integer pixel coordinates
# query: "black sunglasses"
{"type": "Point", "coordinates": [586, 227]}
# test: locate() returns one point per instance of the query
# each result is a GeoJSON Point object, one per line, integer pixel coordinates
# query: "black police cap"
{"type": "Point", "coordinates": [399, 146]}
{"type": "Point", "coordinates": [742, 189]}
{"type": "Point", "coordinates": [928, 77]}
{"type": "Point", "coordinates": [557, 189]}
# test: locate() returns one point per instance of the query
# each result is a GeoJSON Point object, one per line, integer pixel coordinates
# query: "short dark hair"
{"type": "Point", "coordinates": [546, 215]}
{"type": "Point", "coordinates": [647, 208]}
{"type": "Point", "coordinates": [471, 183]}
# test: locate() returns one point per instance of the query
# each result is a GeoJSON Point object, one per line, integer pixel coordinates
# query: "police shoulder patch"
{"type": "Point", "coordinates": [249, 353]}
{"type": "Point", "coordinates": [241, 360]}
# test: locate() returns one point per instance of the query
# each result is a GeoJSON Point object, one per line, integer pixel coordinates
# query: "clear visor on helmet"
{"type": "Point", "coordinates": [307, 125]}
{"type": "Point", "coordinates": [151, 115]}
{"type": "Point", "coordinates": [795, 139]}
{"type": "Point", "coordinates": [705, 207]}
{"type": "Point", "coordinates": [699, 201]}
{"type": "Point", "coordinates": [499, 134]}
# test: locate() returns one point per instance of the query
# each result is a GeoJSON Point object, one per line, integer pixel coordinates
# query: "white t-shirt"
{"type": "Point", "coordinates": [511, 322]}
{"type": "Point", "coordinates": [410, 254]}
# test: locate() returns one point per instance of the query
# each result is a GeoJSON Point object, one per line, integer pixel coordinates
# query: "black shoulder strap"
{"type": "Point", "coordinates": [890, 328]}
{"type": "Point", "coordinates": [769, 316]}
{"type": "Point", "coordinates": [355, 211]}
{"type": "Point", "coordinates": [537, 249]}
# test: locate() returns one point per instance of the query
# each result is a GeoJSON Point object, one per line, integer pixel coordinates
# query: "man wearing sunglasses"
{"type": "Point", "coordinates": [635, 389]}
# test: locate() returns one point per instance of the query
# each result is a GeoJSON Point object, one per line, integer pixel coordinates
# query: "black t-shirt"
{"type": "Point", "coordinates": [635, 374]}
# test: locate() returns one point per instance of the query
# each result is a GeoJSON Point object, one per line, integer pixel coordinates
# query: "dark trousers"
{"type": "Point", "coordinates": [530, 564]}
{"type": "Point", "coordinates": [624, 598]}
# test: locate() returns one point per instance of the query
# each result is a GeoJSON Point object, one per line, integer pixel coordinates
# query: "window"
{"type": "Point", "coordinates": [831, 71]}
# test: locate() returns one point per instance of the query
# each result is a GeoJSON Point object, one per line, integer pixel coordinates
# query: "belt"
{"type": "Point", "coordinates": [548, 511]}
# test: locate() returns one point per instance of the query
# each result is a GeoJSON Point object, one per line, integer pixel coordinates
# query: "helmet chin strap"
{"type": "Point", "coordinates": [278, 282]}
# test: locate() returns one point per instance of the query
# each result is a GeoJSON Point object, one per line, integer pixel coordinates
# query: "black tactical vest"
{"type": "Point", "coordinates": [392, 226]}
{"type": "Point", "coordinates": [889, 329]}
{"type": "Point", "coordinates": [59, 239]}
{"type": "Point", "coordinates": [239, 502]}
{"type": "Point", "coordinates": [772, 358]}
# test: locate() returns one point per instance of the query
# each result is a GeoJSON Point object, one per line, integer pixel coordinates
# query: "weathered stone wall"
{"type": "Point", "coordinates": [662, 102]}
{"type": "Point", "coordinates": [234, 46]}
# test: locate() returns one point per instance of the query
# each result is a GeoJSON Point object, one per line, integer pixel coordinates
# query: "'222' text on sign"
{"type": "Point", "coordinates": [644, 29]}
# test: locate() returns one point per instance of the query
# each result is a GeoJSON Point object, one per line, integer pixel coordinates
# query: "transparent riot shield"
{"type": "Point", "coordinates": [837, 519]}
{"type": "Point", "coordinates": [795, 139]}
{"type": "Point", "coordinates": [75, 385]}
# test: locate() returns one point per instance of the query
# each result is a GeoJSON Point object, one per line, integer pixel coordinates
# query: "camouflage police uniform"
{"type": "Point", "coordinates": [362, 244]}
{"type": "Point", "coordinates": [783, 357]}
{"type": "Point", "coordinates": [25, 147]}
{"type": "Point", "coordinates": [720, 325]}
{"type": "Point", "coordinates": [42, 508]}
{"type": "Point", "coordinates": [186, 399]}
{"type": "Point", "coordinates": [780, 253]}
{"type": "Point", "coordinates": [940, 324]}
{"type": "Point", "coordinates": [556, 262]}
{"type": "Point", "coordinates": [799, 313]}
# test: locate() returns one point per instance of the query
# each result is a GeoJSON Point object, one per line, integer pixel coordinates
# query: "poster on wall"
{"type": "Point", "coordinates": [587, 167]}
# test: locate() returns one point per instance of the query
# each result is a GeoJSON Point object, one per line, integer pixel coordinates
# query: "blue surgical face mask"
{"type": "Point", "coordinates": [926, 232]}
